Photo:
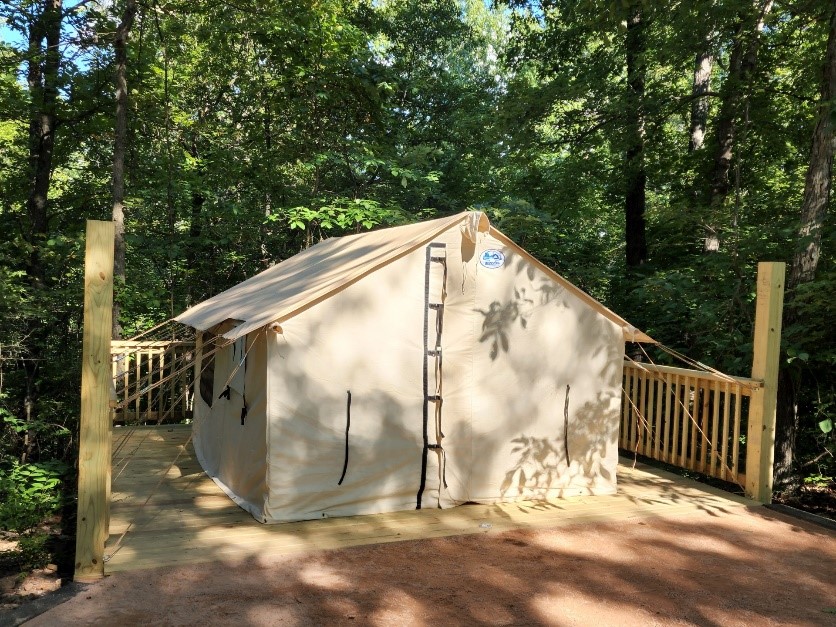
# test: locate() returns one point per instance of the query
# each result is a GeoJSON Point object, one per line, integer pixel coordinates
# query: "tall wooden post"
{"type": "Point", "coordinates": [96, 425]}
{"type": "Point", "coordinates": [760, 441]}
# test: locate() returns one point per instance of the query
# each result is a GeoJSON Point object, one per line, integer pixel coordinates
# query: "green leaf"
{"type": "Point", "coordinates": [826, 425]}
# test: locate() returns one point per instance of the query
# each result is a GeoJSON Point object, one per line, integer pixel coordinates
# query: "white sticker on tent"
{"type": "Point", "coordinates": [492, 259]}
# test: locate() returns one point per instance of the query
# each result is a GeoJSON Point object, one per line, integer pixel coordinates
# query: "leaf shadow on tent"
{"type": "Point", "coordinates": [536, 469]}
{"type": "Point", "coordinates": [498, 320]}
{"type": "Point", "coordinates": [544, 467]}
{"type": "Point", "coordinates": [541, 341]}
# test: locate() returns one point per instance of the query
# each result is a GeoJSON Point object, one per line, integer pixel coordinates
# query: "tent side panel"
{"type": "Point", "coordinates": [367, 341]}
{"type": "Point", "coordinates": [547, 377]}
{"type": "Point", "coordinates": [230, 437]}
{"type": "Point", "coordinates": [207, 424]}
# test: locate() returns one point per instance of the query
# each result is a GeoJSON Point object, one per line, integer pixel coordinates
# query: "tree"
{"type": "Point", "coordinates": [634, 172]}
{"type": "Point", "coordinates": [42, 75]}
{"type": "Point", "coordinates": [805, 260]}
{"type": "Point", "coordinates": [703, 63]}
{"type": "Point", "coordinates": [742, 61]}
{"type": "Point", "coordinates": [120, 47]}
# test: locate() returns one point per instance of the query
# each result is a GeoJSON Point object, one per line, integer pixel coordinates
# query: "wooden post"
{"type": "Point", "coordinates": [96, 425]}
{"type": "Point", "coordinates": [760, 441]}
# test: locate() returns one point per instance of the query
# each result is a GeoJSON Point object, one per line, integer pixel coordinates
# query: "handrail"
{"type": "Point", "coordinates": [150, 343]}
{"type": "Point", "coordinates": [699, 374]}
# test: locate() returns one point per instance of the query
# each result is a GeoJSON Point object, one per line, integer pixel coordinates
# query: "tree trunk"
{"type": "Point", "coordinates": [741, 65]}
{"type": "Point", "coordinates": [42, 76]}
{"type": "Point", "coordinates": [192, 252]}
{"type": "Point", "coordinates": [635, 176]}
{"type": "Point", "coordinates": [198, 199]}
{"type": "Point", "coordinates": [818, 181]}
{"type": "Point", "coordinates": [42, 68]}
{"type": "Point", "coordinates": [120, 46]}
{"type": "Point", "coordinates": [699, 105]}
{"type": "Point", "coordinates": [817, 187]}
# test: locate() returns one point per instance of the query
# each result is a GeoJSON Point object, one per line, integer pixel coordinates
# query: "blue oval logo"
{"type": "Point", "coordinates": [492, 259]}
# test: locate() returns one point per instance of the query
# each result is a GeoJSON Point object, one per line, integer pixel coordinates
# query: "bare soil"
{"type": "Point", "coordinates": [743, 567]}
{"type": "Point", "coordinates": [816, 499]}
{"type": "Point", "coordinates": [19, 588]}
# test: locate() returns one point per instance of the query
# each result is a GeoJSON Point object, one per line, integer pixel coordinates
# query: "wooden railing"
{"type": "Point", "coordinates": [687, 418]}
{"type": "Point", "coordinates": [152, 380]}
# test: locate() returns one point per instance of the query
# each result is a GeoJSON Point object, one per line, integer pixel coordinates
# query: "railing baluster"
{"type": "Point", "coordinates": [660, 417]}
{"type": "Point", "coordinates": [685, 427]}
{"type": "Point", "coordinates": [634, 397]}
{"type": "Point", "coordinates": [738, 401]}
{"type": "Point", "coordinates": [665, 453]}
{"type": "Point", "coordinates": [705, 426]}
{"type": "Point", "coordinates": [136, 384]}
{"type": "Point", "coordinates": [624, 434]}
{"type": "Point", "coordinates": [650, 417]}
{"type": "Point", "coordinates": [715, 420]}
{"type": "Point", "coordinates": [674, 451]}
{"type": "Point", "coordinates": [724, 448]}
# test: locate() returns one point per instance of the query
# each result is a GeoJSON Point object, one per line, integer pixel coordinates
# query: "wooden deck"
{"type": "Point", "coordinates": [165, 511]}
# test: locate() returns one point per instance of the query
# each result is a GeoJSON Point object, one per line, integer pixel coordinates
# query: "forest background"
{"type": "Point", "coordinates": [651, 152]}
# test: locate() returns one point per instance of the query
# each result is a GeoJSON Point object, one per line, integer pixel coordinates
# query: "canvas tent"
{"type": "Point", "coordinates": [418, 366]}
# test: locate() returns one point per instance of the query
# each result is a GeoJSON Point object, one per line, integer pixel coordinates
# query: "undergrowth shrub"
{"type": "Point", "coordinates": [29, 493]}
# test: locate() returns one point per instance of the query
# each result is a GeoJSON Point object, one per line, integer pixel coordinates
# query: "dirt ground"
{"type": "Point", "coordinates": [816, 499]}
{"type": "Point", "coordinates": [16, 590]}
{"type": "Point", "coordinates": [745, 567]}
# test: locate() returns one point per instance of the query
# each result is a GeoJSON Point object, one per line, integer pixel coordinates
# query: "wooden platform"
{"type": "Point", "coordinates": [165, 511]}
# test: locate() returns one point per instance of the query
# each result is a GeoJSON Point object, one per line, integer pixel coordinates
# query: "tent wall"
{"type": "Point", "coordinates": [232, 453]}
{"type": "Point", "coordinates": [366, 339]}
{"type": "Point", "coordinates": [513, 340]}
{"type": "Point", "coordinates": [533, 340]}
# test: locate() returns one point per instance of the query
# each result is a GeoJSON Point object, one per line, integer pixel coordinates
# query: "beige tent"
{"type": "Point", "coordinates": [417, 366]}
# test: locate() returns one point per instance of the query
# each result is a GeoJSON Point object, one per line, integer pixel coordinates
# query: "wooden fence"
{"type": "Point", "coordinates": [152, 380]}
{"type": "Point", "coordinates": [687, 418]}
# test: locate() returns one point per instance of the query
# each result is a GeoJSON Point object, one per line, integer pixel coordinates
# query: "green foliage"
{"type": "Point", "coordinates": [818, 479]}
{"type": "Point", "coordinates": [29, 493]}
{"type": "Point", "coordinates": [343, 214]}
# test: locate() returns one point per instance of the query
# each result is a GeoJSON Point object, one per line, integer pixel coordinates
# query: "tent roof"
{"type": "Point", "coordinates": [313, 275]}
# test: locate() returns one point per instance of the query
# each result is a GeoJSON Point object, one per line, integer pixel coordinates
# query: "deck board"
{"type": "Point", "coordinates": [166, 512]}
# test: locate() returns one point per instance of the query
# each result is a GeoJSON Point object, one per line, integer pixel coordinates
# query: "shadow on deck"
{"type": "Point", "coordinates": [165, 511]}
